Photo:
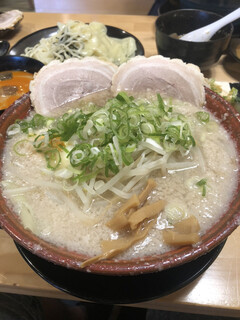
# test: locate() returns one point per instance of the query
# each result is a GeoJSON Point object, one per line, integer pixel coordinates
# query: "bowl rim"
{"type": "Point", "coordinates": [178, 11]}
{"type": "Point", "coordinates": [60, 256]}
{"type": "Point", "coordinates": [15, 59]}
{"type": "Point", "coordinates": [15, 56]}
{"type": "Point", "coordinates": [6, 45]}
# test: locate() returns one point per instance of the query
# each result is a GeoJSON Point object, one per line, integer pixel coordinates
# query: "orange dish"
{"type": "Point", "coordinates": [13, 84]}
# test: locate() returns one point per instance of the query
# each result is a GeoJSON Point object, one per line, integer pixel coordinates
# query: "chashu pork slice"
{"type": "Point", "coordinates": [169, 77]}
{"type": "Point", "coordinates": [61, 83]}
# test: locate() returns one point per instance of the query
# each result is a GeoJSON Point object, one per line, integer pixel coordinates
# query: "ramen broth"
{"type": "Point", "coordinates": [57, 215]}
{"type": "Point", "coordinates": [13, 84]}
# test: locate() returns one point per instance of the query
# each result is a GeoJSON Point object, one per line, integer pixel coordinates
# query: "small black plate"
{"type": "Point", "coordinates": [119, 289]}
{"type": "Point", "coordinates": [33, 38]}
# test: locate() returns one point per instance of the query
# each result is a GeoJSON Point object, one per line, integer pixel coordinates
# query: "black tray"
{"type": "Point", "coordinates": [119, 289]}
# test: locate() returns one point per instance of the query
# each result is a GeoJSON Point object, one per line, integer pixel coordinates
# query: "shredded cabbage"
{"type": "Point", "coordinates": [77, 39]}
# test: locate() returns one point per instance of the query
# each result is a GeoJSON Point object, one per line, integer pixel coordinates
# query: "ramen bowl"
{"type": "Point", "coordinates": [171, 25]}
{"type": "Point", "coordinates": [217, 233]}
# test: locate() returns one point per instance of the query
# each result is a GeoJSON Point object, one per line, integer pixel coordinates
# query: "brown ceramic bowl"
{"type": "Point", "coordinates": [229, 118]}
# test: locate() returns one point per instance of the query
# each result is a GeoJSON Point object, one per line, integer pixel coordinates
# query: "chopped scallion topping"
{"type": "Point", "coordinates": [106, 139]}
{"type": "Point", "coordinates": [19, 147]}
{"type": "Point", "coordinates": [53, 158]}
{"type": "Point", "coordinates": [202, 184]}
{"type": "Point", "coordinates": [203, 116]}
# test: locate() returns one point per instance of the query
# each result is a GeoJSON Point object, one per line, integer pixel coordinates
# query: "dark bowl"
{"type": "Point", "coordinates": [203, 54]}
{"type": "Point", "coordinates": [229, 119]}
{"type": "Point", "coordinates": [20, 63]}
{"type": "Point", "coordinates": [234, 49]}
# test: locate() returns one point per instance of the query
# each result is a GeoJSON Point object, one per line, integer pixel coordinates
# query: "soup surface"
{"type": "Point", "coordinates": [13, 84]}
{"type": "Point", "coordinates": [67, 200]}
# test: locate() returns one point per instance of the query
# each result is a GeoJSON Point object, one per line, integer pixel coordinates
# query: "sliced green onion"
{"type": "Point", "coordinates": [19, 147]}
{"type": "Point", "coordinates": [161, 105]}
{"type": "Point", "coordinates": [203, 116]}
{"type": "Point", "coordinates": [53, 158]}
{"type": "Point", "coordinates": [147, 128]}
{"type": "Point", "coordinates": [107, 139]}
{"type": "Point", "coordinates": [41, 141]}
{"type": "Point", "coordinates": [38, 121]}
{"type": "Point", "coordinates": [123, 97]}
{"type": "Point", "coordinates": [130, 148]}
{"type": "Point", "coordinates": [202, 184]}
{"type": "Point", "coordinates": [13, 129]}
